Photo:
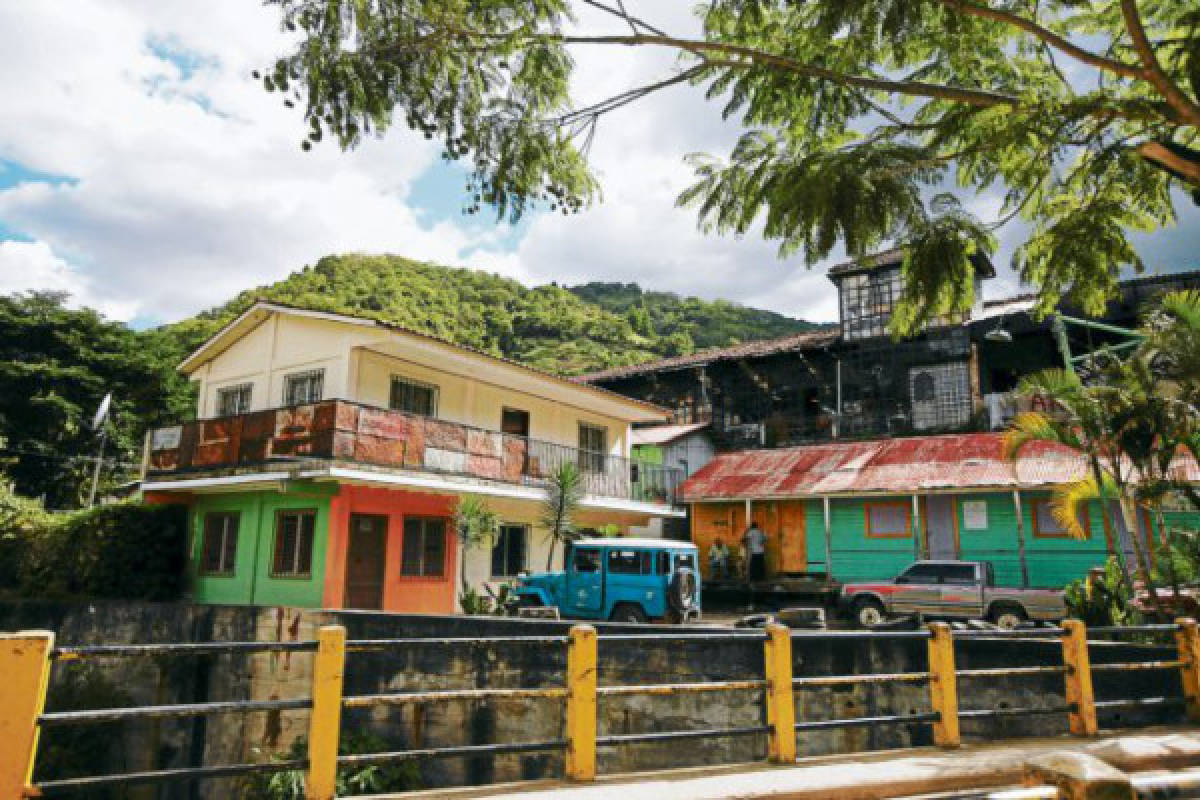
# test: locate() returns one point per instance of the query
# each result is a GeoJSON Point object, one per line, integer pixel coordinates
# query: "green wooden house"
{"type": "Point", "coordinates": [864, 510]}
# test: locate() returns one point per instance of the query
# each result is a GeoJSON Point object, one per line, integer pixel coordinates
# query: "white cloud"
{"type": "Point", "coordinates": [26, 266]}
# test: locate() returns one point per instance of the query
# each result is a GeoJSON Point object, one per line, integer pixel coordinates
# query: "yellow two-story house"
{"type": "Point", "coordinates": [329, 452]}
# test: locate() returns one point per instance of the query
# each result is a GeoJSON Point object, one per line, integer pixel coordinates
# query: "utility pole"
{"type": "Point", "coordinates": [98, 423]}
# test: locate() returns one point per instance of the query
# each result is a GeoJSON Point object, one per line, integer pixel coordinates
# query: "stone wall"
{"type": "Point", "coordinates": [439, 664]}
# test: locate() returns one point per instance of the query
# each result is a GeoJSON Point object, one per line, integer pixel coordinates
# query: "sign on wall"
{"type": "Point", "coordinates": [975, 515]}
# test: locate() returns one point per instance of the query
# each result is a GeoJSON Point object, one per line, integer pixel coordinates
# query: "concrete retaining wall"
{"type": "Point", "coordinates": [234, 738]}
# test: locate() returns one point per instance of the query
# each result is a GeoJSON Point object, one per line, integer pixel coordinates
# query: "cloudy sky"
{"type": "Point", "coordinates": [145, 172]}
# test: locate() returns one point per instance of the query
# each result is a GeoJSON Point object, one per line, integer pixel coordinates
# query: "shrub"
{"type": "Point", "coordinates": [128, 550]}
{"type": "Point", "coordinates": [372, 779]}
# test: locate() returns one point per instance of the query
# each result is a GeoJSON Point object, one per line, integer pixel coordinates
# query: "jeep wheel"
{"type": "Point", "coordinates": [1007, 617]}
{"type": "Point", "coordinates": [629, 613]}
{"type": "Point", "coordinates": [869, 612]}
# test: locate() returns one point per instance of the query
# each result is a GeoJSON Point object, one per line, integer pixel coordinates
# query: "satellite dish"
{"type": "Point", "coordinates": [102, 412]}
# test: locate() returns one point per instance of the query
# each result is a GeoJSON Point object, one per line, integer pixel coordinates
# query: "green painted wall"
{"type": "Point", "coordinates": [650, 453]}
{"type": "Point", "coordinates": [855, 557]}
{"type": "Point", "coordinates": [251, 583]}
{"type": "Point", "coordinates": [1052, 563]}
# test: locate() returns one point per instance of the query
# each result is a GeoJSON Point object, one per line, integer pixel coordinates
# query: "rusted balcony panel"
{"type": "Point", "coordinates": [339, 431]}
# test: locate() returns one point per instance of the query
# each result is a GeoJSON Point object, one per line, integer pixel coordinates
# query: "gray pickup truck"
{"type": "Point", "coordinates": [950, 590]}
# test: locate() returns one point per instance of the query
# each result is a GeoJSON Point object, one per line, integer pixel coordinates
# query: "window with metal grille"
{"type": "Point", "coordinates": [941, 395]}
{"type": "Point", "coordinates": [220, 544]}
{"type": "Point", "coordinates": [593, 446]}
{"type": "Point", "coordinates": [508, 552]}
{"type": "Point", "coordinates": [887, 520]}
{"type": "Point", "coordinates": [868, 300]}
{"type": "Point", "coordinates": [1046, 525]}
{"type": "Point", "coordinates": [294, 543]}
{"type": "Point", "coordinates": [303, 387]}
{"type": "Point", "coordinates": [234, 400]}
{"type": "Point", "coordinates": [424, 550]}
{"type": "Point", "coordinates": [413, 396]}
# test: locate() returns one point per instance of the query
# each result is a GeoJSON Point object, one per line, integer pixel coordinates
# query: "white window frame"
{"type": "Point", "coordinates": [236, 391]}
{"type": "Point", "coordinates": [306, 375]}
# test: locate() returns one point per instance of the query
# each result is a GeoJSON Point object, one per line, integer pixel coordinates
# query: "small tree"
{"type": "Point", "coordinates": [564, 495]}
{"type": "Point", "coordinates": [476, 526]}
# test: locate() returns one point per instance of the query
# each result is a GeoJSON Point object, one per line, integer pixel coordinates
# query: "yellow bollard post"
{"type": "Point", "coordinates": [781, 703]}
{"type": "Point", "coordinates": [1187, 638]}
{"type": "Point", "coordinates": [324, 724]}
{"type": "Point", "coordinates": [943, 685]}
{"type": "Point", "coordinates": [1081, 698]}
{"type": "Point", "coordinates": [25, 665]}
{"type": "Point", "coordinates": [581, 703]}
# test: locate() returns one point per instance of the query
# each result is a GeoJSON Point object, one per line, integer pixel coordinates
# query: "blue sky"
{"type": "Point", "coordinates": [145, 172]}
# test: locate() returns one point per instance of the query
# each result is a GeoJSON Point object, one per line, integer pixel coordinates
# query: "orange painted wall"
{"type": "Point", "coordinates": [782, 521]}
{"type": "Point", "coordinates": [423, 595]}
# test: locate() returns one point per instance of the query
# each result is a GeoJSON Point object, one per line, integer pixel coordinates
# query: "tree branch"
{"type": "Point", "coordinates": [1170, 159]}
{"type": "Point", "coordinates": [973, 97]}
{"type": "Point", "coordinates": [1154, 71]}
{"type": "Point", "coordinates": [1048, 36]}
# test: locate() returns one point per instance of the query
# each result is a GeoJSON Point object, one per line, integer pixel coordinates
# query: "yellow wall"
{"type": "Point", "coordinates": [359, 362]}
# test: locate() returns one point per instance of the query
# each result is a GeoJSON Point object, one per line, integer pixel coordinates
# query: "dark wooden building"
{"type": "Point", "coordinates": [853, 380]}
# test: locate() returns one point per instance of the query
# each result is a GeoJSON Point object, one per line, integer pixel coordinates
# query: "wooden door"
{"type": "Point", "coordinates": [365, 560]}
{"type": "Point", "coordinates": [793, 545]}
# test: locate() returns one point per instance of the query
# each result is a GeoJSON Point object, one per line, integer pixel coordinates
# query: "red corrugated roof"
{"type": "Point", "coordinates": [890, 466]}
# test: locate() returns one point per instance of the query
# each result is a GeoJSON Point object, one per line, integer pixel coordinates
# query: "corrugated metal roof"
{"type": "Point", "coordinates": [663, 434]}
{"type": "Point", "coordinates": [765, 347]}
{"type": "Point", "coordinates": [890, 466]}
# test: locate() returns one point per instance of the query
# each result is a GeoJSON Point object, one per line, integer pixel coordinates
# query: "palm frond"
{"type": "Point", "coordinates": [1031, 426]}
{"type": "Point", "coordinates": [1070, 501]}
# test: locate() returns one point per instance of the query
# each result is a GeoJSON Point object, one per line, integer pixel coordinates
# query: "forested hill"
{"type": "Point", "coordinates": [569, 330]}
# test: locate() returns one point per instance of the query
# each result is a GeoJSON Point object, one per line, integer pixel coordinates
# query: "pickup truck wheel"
{"type": "Point", "coordinates": [1007, 617]}
{"type": "Point", "coordinates": [869, 612]}
{"type": "Point", "coordinates": [628, 613]}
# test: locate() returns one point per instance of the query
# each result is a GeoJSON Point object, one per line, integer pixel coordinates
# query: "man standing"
{"type": "Point", "coordinates": [756, 551]}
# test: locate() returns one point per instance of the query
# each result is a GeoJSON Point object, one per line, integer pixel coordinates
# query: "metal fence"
{"type": "Point", "coordinates": [26, 660]}
{"type": "Point", "coordinates": [340, 432]}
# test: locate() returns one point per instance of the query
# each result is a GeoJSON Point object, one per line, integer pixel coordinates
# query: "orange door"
{"type": "Point", "coordinates": [793, 546]}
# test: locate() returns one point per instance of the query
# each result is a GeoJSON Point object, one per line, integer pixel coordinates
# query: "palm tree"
{"type": "Point", "coordinates": [475, 525]}
{"type": "Point", "coordinates": [564, 494]}
{"type": "Point", "coordinates": [1084, 420]}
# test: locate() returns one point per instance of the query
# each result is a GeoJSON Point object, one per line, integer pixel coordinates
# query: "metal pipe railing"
{"type": "Point", "coordinates": [25, 660]}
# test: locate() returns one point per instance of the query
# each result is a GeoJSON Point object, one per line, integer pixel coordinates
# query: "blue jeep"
{"type": "Point", "coordinates": [623, 580]}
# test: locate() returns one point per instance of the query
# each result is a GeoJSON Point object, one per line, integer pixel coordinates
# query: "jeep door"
{"type": "Point", "coordinates": [585, 582]}
{"type": "Point", "coordinates": [630, 578]}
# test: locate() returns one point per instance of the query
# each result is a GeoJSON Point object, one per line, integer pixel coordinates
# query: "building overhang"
{"type": "Point", "coordinates": [428, 482]}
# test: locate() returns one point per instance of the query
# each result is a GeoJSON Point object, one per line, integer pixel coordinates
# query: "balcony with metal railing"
{"type": "Point", "coordinates": [339, 432]}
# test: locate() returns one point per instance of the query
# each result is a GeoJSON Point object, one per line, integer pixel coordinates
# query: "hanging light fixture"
{"type": "Point", "coordinates": [998, 334]}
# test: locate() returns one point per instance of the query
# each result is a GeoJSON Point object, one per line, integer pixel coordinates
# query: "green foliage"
{"type": "Point", "coordinates": [1079, 116]}
{"type": "Point", "coordinates": [21, 520]}
{"type": "Point", "coordinates": [474, 603]}
{"type": "Point", "coordinates": [562, 330]}
{"type": "Point", "coordinates": [375, 779]}
{"type": "Point", "coordinates": [476, 526]}
{"type": "Point", "coordinates": [127, 551]}
{"type": "Point", "coordinates": [1177, 560]}
{"type": "Point", "coordinates": [1105, 599]}
{"type": "Point", "coordinates": [564, 495]}
{"type": "Point", "coordinates": [78, 751]}
{"type": "Point", "coordinates": [56, 365]}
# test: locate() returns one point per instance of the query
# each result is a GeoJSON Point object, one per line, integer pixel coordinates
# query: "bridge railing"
{"type": "Point", "coordinates": [26, 660]}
